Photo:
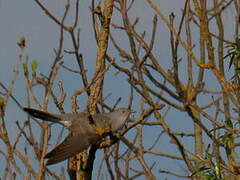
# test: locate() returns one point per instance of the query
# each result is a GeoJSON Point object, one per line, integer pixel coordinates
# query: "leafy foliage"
{"type": "Point", "coordinates": [234, 55]}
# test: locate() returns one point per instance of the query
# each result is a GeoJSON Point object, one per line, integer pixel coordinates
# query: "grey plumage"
{"type": "Point", "coordinates": [82, 133]}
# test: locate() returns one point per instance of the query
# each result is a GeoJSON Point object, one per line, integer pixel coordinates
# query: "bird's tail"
{"type": "Point", "coordinates": [42, 115]}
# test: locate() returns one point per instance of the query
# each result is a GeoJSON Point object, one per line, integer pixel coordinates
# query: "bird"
{"type": "Point", "coordinates": [85, 130]}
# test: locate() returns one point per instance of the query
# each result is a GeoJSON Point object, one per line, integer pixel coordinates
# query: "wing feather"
{"type": "Point", "coordinates": [72, 145]}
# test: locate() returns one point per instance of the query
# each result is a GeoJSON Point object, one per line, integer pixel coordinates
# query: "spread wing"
{"type": "Point", "coordinates": [72, 145]}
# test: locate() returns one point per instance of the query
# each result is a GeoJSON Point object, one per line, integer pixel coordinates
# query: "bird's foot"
{"type": "Point", "coordinates": [100, 131]}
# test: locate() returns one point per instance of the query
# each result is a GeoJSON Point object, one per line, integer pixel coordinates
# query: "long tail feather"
{"type": "Point", "coordinates": [42, 115]}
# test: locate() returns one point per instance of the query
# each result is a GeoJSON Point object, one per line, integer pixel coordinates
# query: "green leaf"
{"type": "Point", "coordinates": [229, 123]}
{"type": "Point", "coordinates": [25, 69]}
{"type": "Point", "coordinates": [3, 103]}
{"type": "Point", "coordinates": [201, 169]}
{"type": "Point", "coordinates": [34, 65]}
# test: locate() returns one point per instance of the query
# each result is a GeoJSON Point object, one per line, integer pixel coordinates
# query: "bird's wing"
{"type": "Point", "coordinates": [72, 145]}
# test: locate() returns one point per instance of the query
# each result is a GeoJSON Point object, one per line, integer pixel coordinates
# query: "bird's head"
{"type": "Point", "coordinates": [119, 117]}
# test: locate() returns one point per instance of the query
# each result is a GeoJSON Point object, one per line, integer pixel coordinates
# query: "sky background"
{"type": "Point", "coordinates": [25, 18]}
